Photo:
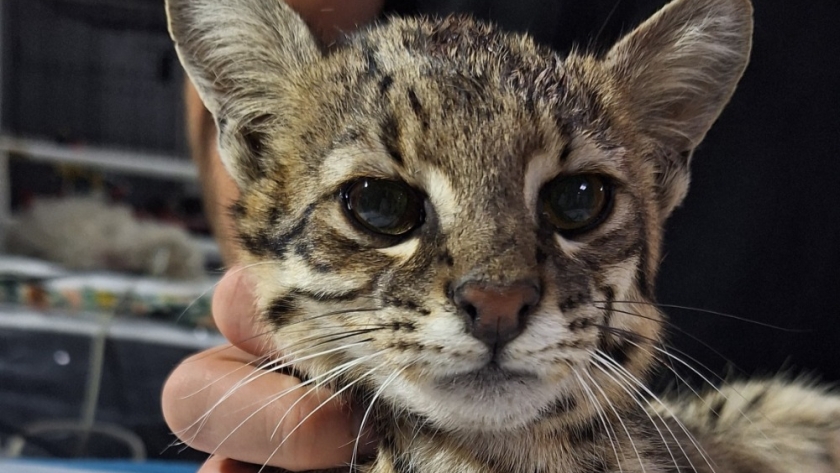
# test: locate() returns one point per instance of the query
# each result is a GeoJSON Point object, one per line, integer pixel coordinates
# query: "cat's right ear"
{"type": "Point", "coordinates": [238, 54]}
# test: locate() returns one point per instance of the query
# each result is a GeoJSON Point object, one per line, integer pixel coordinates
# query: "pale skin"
{"type": "Point", "coordinates": [195, 387]}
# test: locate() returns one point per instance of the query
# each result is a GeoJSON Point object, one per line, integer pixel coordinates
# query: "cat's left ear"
{"type": "Point", "coordinates": [675, 74]}
{"type": "Point", "coordinates": [239, 54]}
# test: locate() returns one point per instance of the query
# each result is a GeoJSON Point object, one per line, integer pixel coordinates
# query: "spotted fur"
{"type": "Point", "coordinates": [478, 120]}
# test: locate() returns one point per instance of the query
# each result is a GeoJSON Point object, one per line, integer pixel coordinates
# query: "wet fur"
{"type": "Point", "coordinates": [478, 120]}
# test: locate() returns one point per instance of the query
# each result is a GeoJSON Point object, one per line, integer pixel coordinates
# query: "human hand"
{"type": "Point", "coordinates": [210, 406]}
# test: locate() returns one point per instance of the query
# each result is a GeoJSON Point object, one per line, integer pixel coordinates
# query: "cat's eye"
{"type": "Point", "coordinates": [577, 203]}
{"type": "Point", "coordinates": [383, 206]}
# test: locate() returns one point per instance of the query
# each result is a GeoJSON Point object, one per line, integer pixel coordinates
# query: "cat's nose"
{"type": "Point", "coordinates": [496, 314]}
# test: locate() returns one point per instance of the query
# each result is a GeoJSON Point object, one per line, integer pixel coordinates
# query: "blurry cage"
{"type": "Point", "coordinates": [95, 72]}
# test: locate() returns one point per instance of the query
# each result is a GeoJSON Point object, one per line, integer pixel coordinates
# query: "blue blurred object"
{"type": "Point", "coordinates": [92, 466]}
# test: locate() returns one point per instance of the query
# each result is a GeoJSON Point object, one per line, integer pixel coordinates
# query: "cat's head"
{"type": "Point", "coordinates": [462, 223]}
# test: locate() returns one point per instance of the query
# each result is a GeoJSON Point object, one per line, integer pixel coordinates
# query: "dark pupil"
{"type": "Point", "coordinates": [383, 205]}
{"type": "Point", "coordinates": [575, 200]}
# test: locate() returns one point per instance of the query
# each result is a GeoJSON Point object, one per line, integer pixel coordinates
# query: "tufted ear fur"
{"type": "Point", "coordinates": [238, 54]}
{"type": "Point", "coordinates": [676, 72]}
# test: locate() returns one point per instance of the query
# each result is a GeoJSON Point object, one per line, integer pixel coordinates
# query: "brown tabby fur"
{"type": "Point", "coordinates": [478, 120]}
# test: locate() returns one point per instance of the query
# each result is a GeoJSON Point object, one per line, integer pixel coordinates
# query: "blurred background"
{"type": "Point", "coordinates": [108, 268]}
{"type": "Point", "coordinates": [108, 265]}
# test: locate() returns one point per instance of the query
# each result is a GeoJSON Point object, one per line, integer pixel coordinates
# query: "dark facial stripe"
{"type": "Point", "coordinates": [756, 401]}
{"type": "Point", "coordinates": [564, 155]}
{"type": "Point", "coordinates": [280, 244]}
{"type": "Point", "coordinates": [264, 243]}
{"type": "Point", "coordinates": [619, 351]}
{"type": "Point", "coordinates": [417, 108]}
{"type": "Point", "coordinates": [613, 248]}
{"type": "Point", "coordinates": [329, 297]}
{"type": "Point", "coordinates": [391, 138]}
{"type": "Point", "coordinates": [304, 250]}
{"type": "Point", "coordinates": [256, 244]}
{"type": "Point", "coordinates": [406, 304]}
{"type": "Point", "coordinates": [279, 310]}
{"type": "Point", "coordinates": [616, 347]}
{"type": "Point", "coordinates": [238, 210]}
{"type": "Point", "coordinates": [609, 298]}
{"type": "Point", "coordinates": [716, 408]}
{"type": "Point", "coordinates": [574, 301]}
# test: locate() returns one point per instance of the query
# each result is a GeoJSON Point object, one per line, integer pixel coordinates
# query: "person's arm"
{"type": "Point", "coordinates": [218, 190]}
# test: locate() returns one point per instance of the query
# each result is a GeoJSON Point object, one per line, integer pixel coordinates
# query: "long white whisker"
{"type": "Point", "coordinates": [201, 421]}
{"type": "Point", "coordinates": [718, 390]}
{"type": "Point", "coordinates": [617, 416]}
{"type": "Point", "coordinates": [333, 373]}
{"type": "Point", "coordinates": [324, 403]}
{"type": "Point", "coordinates": [613, 437]}
{"type": "Point", "coordinates": [600, 365]}
{"type": "Point", "coordinates": [379, 392]}
{"type": "Point", "coordinates": [274, 432]}
{"type": "Point", "coordinates": [609, 362]}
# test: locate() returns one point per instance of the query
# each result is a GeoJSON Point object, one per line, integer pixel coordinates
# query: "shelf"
{"type": "Point", "coordinates": [129, 162]}
{"type": "Point", "coordinates": [13, 317]}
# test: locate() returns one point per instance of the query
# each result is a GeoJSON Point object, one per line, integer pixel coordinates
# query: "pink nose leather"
{"type": "Point", "coordinates": [496, 314]}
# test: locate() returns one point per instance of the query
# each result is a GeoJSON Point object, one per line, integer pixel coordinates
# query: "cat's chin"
{"type": "Point", "coordinates": [484, 400]}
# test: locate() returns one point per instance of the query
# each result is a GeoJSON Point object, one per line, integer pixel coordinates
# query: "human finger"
{"type": "Point", "coordinates": [219, 402]}
{"type": "Point", "coordinates": [235, 313]}
{"type": "Point", "coordinates": [217, 464]}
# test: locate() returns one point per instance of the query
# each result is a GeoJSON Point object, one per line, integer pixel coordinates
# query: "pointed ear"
{"type": "Point", "coordinates": [677, 71]}
{"type": "Point", "coordinates": [237, 54]}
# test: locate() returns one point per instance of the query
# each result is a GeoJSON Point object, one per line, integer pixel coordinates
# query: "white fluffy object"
{"type": "Point", "coordinates": [84, 233]}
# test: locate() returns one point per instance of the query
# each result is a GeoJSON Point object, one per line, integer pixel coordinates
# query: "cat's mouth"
{"type": "Point", "coordinates": [489, 377]}
{"type": "Point", "coordinates": [491, 397]}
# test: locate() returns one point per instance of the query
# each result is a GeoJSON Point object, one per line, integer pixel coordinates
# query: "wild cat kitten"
{"type": "Point", "coordinates": [460, 230]}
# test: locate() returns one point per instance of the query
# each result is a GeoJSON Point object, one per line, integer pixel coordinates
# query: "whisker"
{"type": "Point", "coordinates": [609, 362]}
{"type": "Point", "coordinates": [599, 409]}
{"type": "Point", "coordinates": [379, 392]}
{"type": "Point", "coordinates": [606, 22]}
{"type": "Point", "coordinates": [266, 333]}
{"type": "Point", "coordinates": [216, 284]}
{"type": "Point", "coordinates": [324, 403]}
{"type": "Point", "coordinates": [331, 374]}
{"type": "Point", "coordinates": [617, 416]}
{"type": "Point", "coordinates": [266, 369]}
{"type": "Point", "coordinates": [684, 332]}
{"type": "Point", "coordinates": [710, 312]}
{"type": "Point", "coordinates": [713, 386]}
{"type": "Point", "coordinates": [636, 398]}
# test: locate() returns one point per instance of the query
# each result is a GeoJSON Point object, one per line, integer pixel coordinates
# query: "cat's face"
{"type": "Point", "coordinates": [450, 218]}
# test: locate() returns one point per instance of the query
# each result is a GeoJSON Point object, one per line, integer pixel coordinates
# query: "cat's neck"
{"type": "Point", "coordinates": [553, 444]}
